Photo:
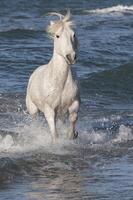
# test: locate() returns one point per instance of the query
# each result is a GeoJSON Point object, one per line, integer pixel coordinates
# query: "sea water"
{"type": "Point", "coordinates": [99, 163]}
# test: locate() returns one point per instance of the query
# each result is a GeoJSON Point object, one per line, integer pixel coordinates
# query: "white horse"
{"type": "Point", "coordinates": [52, 88]}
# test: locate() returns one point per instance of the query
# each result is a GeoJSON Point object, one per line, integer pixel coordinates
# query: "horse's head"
{"type": "Point", "coordinates": [65, 40]}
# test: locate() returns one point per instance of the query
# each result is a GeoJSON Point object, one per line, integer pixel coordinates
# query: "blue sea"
{"type": "Point", "coordinates": [98, 165]}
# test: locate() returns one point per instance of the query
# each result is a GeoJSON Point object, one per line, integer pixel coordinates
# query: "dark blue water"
{"type": "Point", "coordinates": [98, 165]}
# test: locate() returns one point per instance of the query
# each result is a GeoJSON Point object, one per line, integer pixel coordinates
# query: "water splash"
{"type": "Point", "coordinates": [124, 134]}
{"type": "Point", "coordinates": [31, 135]}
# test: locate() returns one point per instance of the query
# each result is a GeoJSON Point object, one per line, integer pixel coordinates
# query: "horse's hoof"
{"type": "Point", "coordinates": [75, 135]}
{"type": "Point", "coordinates": [54, 139]}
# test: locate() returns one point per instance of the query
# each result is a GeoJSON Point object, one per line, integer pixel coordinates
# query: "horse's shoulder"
{"type": "Point", "coordinates": [37, 73]}
{"type": "Point", "coordinates": [40, 68]}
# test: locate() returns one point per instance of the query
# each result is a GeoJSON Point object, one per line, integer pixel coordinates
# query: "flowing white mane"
{"type": "Point", "coordinates": [64, 21]}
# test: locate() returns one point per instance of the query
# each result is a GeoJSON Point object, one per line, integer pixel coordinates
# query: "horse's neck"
{"type": "Point", "coordinates": [59, 62]}
{"type": "Point", "coordinates": [59, 67]}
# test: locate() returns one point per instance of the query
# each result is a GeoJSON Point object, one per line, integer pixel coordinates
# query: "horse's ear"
{"type": "Point", "coordinates": [51, 23]}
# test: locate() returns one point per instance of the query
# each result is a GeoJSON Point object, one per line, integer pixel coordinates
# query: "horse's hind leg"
{"type": "Point", "coordinates": [31, 107]}
{"type": "Point", "coordinates": [73, 116]}
{"type": "Point", "coordinates": [50, 117]}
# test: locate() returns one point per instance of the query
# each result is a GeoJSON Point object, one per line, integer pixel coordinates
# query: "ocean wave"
{"type": "Point", "coordinates": [12, 30]}
{"type": "Point", "coordinates": [16, 159]}
{"type": "Point", "coordinates": [118, 9]}
{"type": "Point", "coordinates": [114, 83]}
{"type": "Point", "coordinates": [18, 32]}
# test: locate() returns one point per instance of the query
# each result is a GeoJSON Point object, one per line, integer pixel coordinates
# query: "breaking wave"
{"type": "Point", "coordinates": [118, 9]}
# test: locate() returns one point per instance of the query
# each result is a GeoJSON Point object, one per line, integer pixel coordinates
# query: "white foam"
{"type": "Point", "coordinates": [125, 134]}
{"type": "Point", "coordinates": [33, 136]}
{"type": "Point", "coordinates": [6, 143]}
{"type": "Point", "coordinates": [117, 9]}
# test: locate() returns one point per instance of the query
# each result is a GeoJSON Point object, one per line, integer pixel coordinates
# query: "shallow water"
{"type": "Point", "coordinates": [98, 165]}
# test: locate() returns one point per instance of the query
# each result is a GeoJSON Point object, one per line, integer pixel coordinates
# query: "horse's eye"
{"type": "Point", "coordinates": [57, 36]}
{"type": "Point", "coordinates": [74, 35]}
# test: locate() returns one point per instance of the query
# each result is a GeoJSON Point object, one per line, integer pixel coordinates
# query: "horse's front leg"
{"type": "Point", "coordinates": [50, 117]}
{"type": "Point", "coordinates": [73, 116]}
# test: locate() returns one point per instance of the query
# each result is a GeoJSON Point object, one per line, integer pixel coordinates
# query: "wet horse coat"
{"type": "Point", "coordinates": [52, 88]}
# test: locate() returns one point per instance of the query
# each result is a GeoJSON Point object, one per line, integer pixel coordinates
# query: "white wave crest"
{"type": "Point", "coordinates": [118, 9]}
{"type": "Point", "coordinates": [125, 134]}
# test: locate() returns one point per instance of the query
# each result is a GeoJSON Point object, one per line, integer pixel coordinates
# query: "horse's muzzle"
{"type": "Point", "coordinates": [71, 58]}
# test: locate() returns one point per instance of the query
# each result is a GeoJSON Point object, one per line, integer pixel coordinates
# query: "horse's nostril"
{"type": "Point", "coordinates": [68, 57]}
{"type": "Point", "coordinates": [71, 58]}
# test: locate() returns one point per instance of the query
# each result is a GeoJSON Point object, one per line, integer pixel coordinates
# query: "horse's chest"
{"type": "Point", "coordinates": [62, 92]}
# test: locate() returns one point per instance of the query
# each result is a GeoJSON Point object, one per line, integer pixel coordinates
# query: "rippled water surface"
{"type": "Point", "coordinates": [99, 164]}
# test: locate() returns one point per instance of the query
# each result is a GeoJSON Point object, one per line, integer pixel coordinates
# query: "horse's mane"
{"type": "Point", "coordinates": [64, 21]}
